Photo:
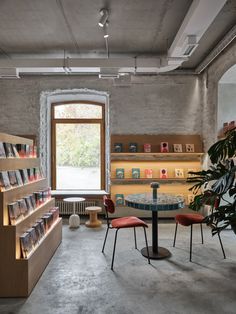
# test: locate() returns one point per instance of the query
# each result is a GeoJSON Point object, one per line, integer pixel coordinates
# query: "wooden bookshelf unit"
{"type": "Point", "coordinates": [154, 160]}
{"type": "Point", "coordinates": [18, 275]}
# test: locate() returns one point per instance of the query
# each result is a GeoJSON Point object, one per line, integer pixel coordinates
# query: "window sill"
{"type": "Point", "coordinates": [77, 193]}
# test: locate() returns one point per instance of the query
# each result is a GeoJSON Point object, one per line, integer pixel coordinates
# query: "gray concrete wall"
{"type": "Point", "coordinates": [226, 104]}
{"type": "Point", "coordinates": [148, 105]}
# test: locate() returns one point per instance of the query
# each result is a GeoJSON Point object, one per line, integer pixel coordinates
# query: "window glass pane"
{"type": "Point", "coordinates": [78, 111]}
{"type": "Point", "coordinates": [78, 156]}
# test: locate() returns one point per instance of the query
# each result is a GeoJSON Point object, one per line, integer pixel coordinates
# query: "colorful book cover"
{"type": "Point", "coordinates": [133, 147]}
{"type": "Point", "coordinates": [189, 148]}
{"type": "Point", "coordinates": [119, 199]}
{"type": "Point", "coordinates": [118, 147]}
{"type": "Point", "coordinates": [163, 173]}
{"type": "Point", "coordinates": [8, 150]}
{"type": "Point", "coordinates": [120, 173]}
{"type": "Point", "coordinates": [14, 212]}
{"type": "Point", "coordinates": [135, 173]}
{"type": "Point", "coordinates": [177, 148]}
{"type": "Point", "coordinates": [26, 244]}
{"type": "Point", "coordinates": [5, 180]}
{"type": "Point", "coordinates": [164, 147]}
{"type": "Point", "coordinates": [2, 151]}
{"type": "Point", "coordinates": [179, 172]}
{"type": "Point", "coordinates": [18, 177]}
{"type": "Point", "coordinates": [148, 173]}
{"type": "Point", "coordinates": [15, 151]}
{"type": "Point", "coordinates": [12, 178]}
{"type": "Point", "coordinates": [147, 148]}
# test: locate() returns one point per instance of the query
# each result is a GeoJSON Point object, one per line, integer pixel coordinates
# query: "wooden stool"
{"type": "Point", "coordinates": [93, 221]}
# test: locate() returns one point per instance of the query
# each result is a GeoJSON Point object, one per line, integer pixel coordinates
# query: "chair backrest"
{"type": "Point", "coordinates": [108, 204]}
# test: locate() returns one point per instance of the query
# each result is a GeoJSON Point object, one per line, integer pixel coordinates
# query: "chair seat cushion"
{"type": "Point", "coordinates": [189, 219]}
{"type": "Point", "coordinates": [128, 222]}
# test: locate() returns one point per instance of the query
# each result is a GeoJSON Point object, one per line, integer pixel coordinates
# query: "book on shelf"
{"type": "Point", "coordinates": [189, 148]}
{"type": "Point", "coordinates": [4, 181]}
{"type": "Point", "coordinates": [8, 150]}
{"type": "Point", "coordinates": [133, 147]}
{"type": "Point", "coordinates": [22, 206]}
{"type": "Point", "coordinates": [135, 173]}
{"type": "Point", "coordinates": [28, 203]}
{"type": "Point", "coordinates": [37, 229]}
{"type": "Point", "coordinates": [42, 228]}
{"type": "Point", "coordinates": [118, 147]}
{"type": "Point", "coordinates": [179, 172]}
{"type": "Point", "coordinates": [147, 148]}
{"type": "Point", "coordinates": [190, 175]}
{"type": "Point", "coordinates": [48, 221]}
{"type": "Point", "coordinates": [12, 178]}
{"type": "Point", "coordinates": [55, 213]}
{"type": "Point", "coordinates": [120, 173]}
{"type": "Point", "coordinates": [26, 244]}
{"type": "Point", "coordinates": [31, 175]}
{"type": "Point", "coordinates": [148, 173]}
{"type": "Point", "coordinates": [24, 176]}
{"type": "Point", "coordinates": [177, 148]}
{"type": "Point", "coordinates": [164, 147]}
{"type": "Point", "coordinates": [163, 173]}
{"type": "Point", "coordinates": [13, 212]}
{"type": "Point", "coordinates": [119, 199]}
{"type": "Point", "coordinates": [2, 151]}
{"type": "Point", "coordinates": [33, 201]}
{"type": "Point", "coordinates": [18, 177]}
{"type": "Point", "coordinates": [33, 236]}
{"type": "Point", "coordinates": [15, 151]}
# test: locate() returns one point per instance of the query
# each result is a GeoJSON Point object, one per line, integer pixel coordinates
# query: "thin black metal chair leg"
{"type": "Point", "coordinates": [105, 241]}
{"type": "Point", "coordinates": [201, 232]}
{"type": "Point", "coordinates": [114, 249]}
{"type": "Point", "coordinates": [145, 235]}
{"type": "Point", "coordinates": [135, 239]}
{"type": "Point", "coordinates": [176, 227]}
{"type": "Point", "coordinates": [191, 242]}
{"type": "Point", "coordinates": [222, 248]}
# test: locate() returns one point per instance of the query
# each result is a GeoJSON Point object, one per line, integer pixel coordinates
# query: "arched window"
{"type": "Point", "coordinates": [77, 146]}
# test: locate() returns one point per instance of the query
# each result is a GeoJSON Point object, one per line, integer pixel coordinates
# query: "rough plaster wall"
{"type": "Point", "coordinates": [210, 102]}
{"type": "Point", "coordinates": [226, 104]}
{"type": "Point", "coordinates": [148, 105]}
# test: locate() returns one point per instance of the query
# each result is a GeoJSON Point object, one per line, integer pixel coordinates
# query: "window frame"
{"type": "Point", "coordinates": [55, 121]}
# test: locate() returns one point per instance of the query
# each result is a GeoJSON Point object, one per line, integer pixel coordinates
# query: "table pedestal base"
{"type": "Point", "coordinates": [74, 221]}
{"type": "Point", "coordinates": [160, 254]}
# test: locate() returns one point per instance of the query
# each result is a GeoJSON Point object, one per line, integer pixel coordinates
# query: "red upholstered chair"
{"type": "Point", "coordinates": [190, 220]}
{"type": "Point", "coordinates": [121, 223]}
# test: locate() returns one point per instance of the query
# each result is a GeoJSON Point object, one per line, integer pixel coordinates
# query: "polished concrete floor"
{"type": "Point", "coordinates": [78, 279]}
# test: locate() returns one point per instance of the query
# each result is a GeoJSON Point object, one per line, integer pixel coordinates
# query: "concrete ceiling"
{"type": "Point", "coordinates": [45, 29]}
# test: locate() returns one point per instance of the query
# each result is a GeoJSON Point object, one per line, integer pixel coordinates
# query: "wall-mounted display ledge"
{"type": "Point", "coordinates": [156, 156]}
{"type": "Point", "coordinates": [147, 181]}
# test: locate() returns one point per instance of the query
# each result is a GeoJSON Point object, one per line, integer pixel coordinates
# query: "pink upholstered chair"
{"type": "Point", "coordinates": [121, 223]}
{"type": "Point", "coordinates": [190, 220]}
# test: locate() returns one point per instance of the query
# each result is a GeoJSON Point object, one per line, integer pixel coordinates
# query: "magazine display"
{"type": "Point", "coordinates": [135, 173]}
{"type": "Point", "coordinates": [164, 147]}
{"type": "Point", "coordinates": [189, 148]}
{"type": "Point", "coordinates": [133, 147]}
{"type": "Point", "coordinates": [120, 173]}
{"type": "Point", "coordinates": [163, 173]}
{"type": "Point", "coordinates": [179, 172]}
{"type": "Point", "coordinates": [118, 147]}
{"type": "Point", "coordinates": [178, 148]}
{"type": "Point", "coordinates": [148, 173]}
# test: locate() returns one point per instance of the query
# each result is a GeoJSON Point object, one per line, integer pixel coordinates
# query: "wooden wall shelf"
{"type": "Point", "coordinates": [156, 156]}
{"type": "Point", "coordinates": [18, 276]}
{"type": "Point", "coordinates": [115, 181]}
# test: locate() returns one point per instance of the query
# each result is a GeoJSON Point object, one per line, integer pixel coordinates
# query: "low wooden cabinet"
{"type": "Point", "coordinates": [18, 275]}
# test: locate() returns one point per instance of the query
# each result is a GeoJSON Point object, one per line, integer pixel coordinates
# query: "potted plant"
{"type": "Point", "coordinates": [216, 186]}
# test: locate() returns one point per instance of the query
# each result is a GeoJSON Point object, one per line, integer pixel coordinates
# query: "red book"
{"type": "Point", "coordinates": [147, 148]}
{"type": "Point", "coordinates": [148, 173]}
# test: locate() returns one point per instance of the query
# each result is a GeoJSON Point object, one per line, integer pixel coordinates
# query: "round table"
{"type": "Point", "coordinates": [155, 202]}
{"type": "Point", "coordinates": [74, 220]}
